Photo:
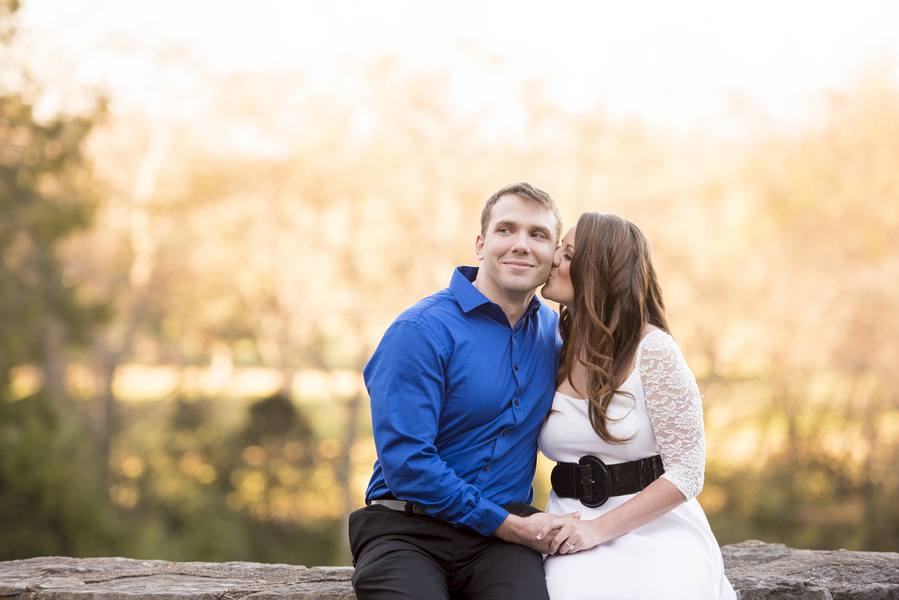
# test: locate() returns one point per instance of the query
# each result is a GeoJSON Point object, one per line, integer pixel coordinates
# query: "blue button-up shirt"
{"type": "Point", "coordinates": [457, 400]}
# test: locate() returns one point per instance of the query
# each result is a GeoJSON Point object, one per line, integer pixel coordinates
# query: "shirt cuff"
{"type": "Point", "coordinates": [485, 518]}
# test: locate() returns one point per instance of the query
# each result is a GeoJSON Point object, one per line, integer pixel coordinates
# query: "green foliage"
{"type": "Point", "coordinates": [44, 197]}
{"type": "Point", "coordinates": [805, 503]}
{"type": "Point", "coordinates": [163, 491]}
{"type": "Point", "coordinates": [276, 419]}
{"type": "Point", "coordinates": [52, 498]}
{"type": "Point", "coordinates": [165, 494]}
{"type": "Point", "coordinates": [193, 483]}
{"type": "Point", "coordinates": [51, 492]}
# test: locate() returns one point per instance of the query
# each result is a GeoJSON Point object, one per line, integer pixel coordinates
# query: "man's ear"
{"type": "Point", "coordinates": [479, 247]}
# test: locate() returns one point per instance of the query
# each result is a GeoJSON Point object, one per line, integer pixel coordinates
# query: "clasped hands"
{"type": "Point", "coordinates": [548, 533]}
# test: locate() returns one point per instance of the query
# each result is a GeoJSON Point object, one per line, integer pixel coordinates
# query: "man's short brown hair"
{"type": "Point", "coordinates": [525, 191]}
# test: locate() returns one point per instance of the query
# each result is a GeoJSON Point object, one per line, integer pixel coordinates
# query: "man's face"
{"type": "Point", "coordinates": [517, 251]}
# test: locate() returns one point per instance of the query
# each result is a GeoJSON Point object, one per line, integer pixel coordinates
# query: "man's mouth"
{"type": "Point", "coordinates": [519, 266]}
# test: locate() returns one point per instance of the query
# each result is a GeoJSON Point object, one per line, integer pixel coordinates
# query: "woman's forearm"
{"type": "Point", "coordinates": [658, 499]}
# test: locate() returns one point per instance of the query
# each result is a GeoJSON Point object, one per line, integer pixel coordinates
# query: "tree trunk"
{"type": "Point", "coordinates": [53, 334]}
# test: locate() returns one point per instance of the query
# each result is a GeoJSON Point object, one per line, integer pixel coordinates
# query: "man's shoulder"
{"type": "Point", "coordinates": [429, 322]}
{"type": "Point", "coordinates": [436, 307]}
{"type": "Point", "coordinates": [547, 313]}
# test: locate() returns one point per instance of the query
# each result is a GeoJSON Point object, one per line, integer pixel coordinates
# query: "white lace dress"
{"type": "Point", "coordinates": [675, 556]}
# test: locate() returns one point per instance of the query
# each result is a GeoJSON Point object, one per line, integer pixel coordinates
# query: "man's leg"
{"type": "Point", "coordinates": [398, 557]}
{"type": "Point", "coordinates": [402, 574]}
{"type": "Point", "coordinates": [501, 571]}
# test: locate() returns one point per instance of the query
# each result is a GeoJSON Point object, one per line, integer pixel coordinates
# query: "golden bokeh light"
{"type": "Point", "coordinates": [266, 187]}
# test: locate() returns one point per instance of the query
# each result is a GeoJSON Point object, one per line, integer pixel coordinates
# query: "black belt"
{"type": "Point", "coordinates": [592, 481]}
{"type": "Point", "coordinates": [522, 509]}
{"type": "Point", "coordinates": [400, 506]}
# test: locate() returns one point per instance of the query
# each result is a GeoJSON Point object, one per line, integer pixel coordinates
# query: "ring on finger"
{"type": "Point", "coordinates": [570, 546]}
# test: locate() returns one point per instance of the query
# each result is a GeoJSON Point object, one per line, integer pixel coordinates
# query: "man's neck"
{"type": "Point", "coordinates": [514, 306]}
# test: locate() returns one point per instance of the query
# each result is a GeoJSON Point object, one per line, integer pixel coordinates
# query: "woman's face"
{"type": "Point", "coordinates": [558, 287]}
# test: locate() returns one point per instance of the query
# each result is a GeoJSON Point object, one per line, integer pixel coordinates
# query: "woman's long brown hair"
{"type": "Point", "coordinates": [616, 292]}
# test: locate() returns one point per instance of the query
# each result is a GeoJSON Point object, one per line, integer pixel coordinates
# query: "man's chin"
{"type": "Point", "coordinates": [525, 287]}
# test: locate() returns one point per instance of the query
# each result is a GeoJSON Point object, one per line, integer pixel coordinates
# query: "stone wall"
{"type": "Point", "coordinates": [768, 571]}
{"type": "Point", "coordinates": [757, 570]}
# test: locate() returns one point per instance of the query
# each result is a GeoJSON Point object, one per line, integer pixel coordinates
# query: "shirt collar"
{"type": "Point", "coordinates": [469, 297]}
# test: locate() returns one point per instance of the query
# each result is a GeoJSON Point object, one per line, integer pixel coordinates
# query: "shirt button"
{"type": "Point", "coordinates": [505, 432]}
{"type": "Point", "coordinates": [516, 367]}
{"type": "Point", "coordinates": [487, 468]}
{"type": "Point", "coordinates": [480, 527]}
{"type": "Point", "coordinates": [516, 403]}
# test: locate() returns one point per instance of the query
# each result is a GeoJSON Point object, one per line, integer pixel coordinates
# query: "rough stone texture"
{"type": "Point", "coordinates": [758, 571]}
{"type": "Point", "coordinates": [762, 571]}
{"type": "Point", "coordinates": [58, 578]}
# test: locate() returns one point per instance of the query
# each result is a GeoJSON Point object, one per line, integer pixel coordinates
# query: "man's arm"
{"type": "Point", "coordinates": [406, 383]}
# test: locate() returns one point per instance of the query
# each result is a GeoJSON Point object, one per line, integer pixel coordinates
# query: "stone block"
{"type": "Point", "coordinates": [759, 571]}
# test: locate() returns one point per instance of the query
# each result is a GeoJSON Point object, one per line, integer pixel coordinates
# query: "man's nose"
{"type": "Point", "coordinates": [521, 243]}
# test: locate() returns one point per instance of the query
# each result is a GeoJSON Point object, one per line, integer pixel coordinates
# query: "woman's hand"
{"type": "Point", "coordinates": [524, 530]}
{"type": "Point", "coordinates": [572, 535]}
{"type": "Point", "coordinates": [660, 497]}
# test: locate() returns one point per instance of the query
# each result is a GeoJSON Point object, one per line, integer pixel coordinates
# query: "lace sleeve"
{"type": "Point", "coordinates": [675, 409]}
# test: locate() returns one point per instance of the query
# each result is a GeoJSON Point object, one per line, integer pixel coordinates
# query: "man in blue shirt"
{"type": "Point", "coordinates": [459, 386]}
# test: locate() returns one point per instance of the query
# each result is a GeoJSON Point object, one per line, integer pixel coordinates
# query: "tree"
{"type": "Point", "coordinates": [819, 361]}
{"type": "Point", "coordinates": [44, 197]}
{"type": "Point", "coordinates": [49, 481]}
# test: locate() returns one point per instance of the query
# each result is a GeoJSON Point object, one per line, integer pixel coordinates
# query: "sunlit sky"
{"type": "Point", "coordinates": [672, 61]}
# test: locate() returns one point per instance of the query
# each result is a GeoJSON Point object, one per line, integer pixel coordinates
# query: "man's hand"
{"type": "Point", "coordinates": [523, 530]}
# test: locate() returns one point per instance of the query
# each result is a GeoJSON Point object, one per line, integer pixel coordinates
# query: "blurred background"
{"type": "Point", "coordinates": [210, 211]}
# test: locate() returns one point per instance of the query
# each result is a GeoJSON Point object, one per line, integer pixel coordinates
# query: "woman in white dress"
{"type": "Point", "coordinates": [626, 429]}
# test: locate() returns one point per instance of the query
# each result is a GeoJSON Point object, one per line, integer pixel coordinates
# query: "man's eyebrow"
{"type": "Point", "coordinates": [507, 223]}
{"type": "Point", "coordinates": [542, 229]}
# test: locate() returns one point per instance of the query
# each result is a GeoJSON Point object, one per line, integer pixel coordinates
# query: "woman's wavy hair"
{"type": "Point", "coordinates": [616, 291]}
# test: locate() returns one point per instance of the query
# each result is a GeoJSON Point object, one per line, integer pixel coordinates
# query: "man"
{"type": "Point", "coordinates": [459, 386]}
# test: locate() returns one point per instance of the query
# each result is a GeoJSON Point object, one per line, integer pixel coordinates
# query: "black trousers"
{"type": "Point", "coordinates": [419, 558]}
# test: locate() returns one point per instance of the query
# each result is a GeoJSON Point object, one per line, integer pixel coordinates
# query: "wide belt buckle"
{"type": "Point", "coordinates": [595, 485]}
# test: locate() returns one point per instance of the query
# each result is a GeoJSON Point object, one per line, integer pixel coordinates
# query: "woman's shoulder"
{"type": "Point", "coordinates": [652, 332]}
{"type": "Point", "coordinates": [649, 328]}
{"type": "Point", "coordinates": [655, 339]}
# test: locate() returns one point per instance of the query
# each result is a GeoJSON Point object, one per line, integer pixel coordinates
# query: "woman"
{"type": "Point", "coordinates": [626, 431]}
